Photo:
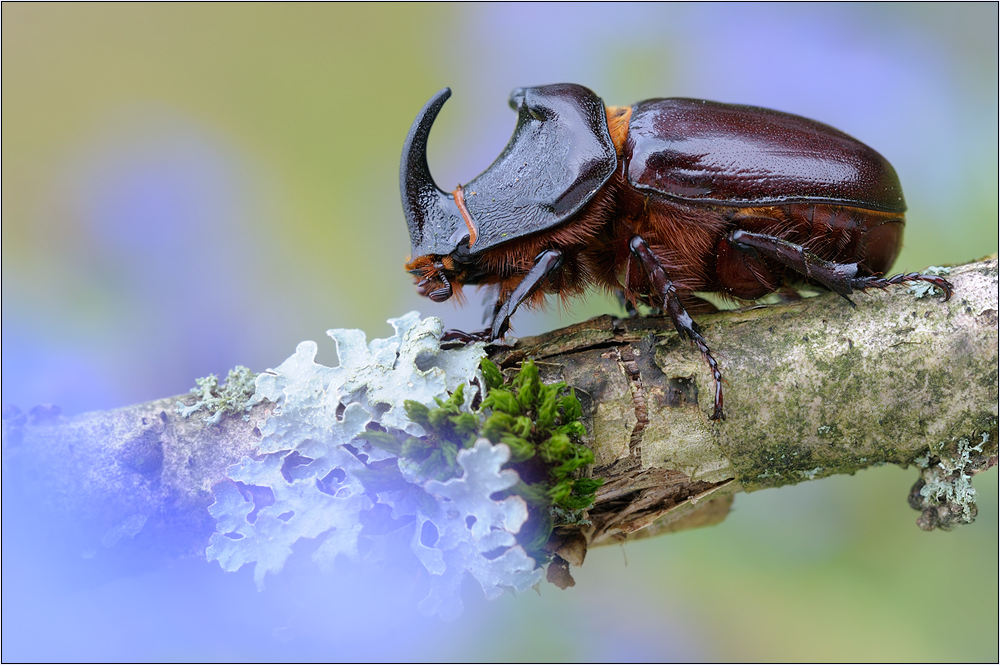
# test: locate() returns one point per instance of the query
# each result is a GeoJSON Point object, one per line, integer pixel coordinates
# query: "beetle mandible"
{"type": "Point", "coordinates": [654, 202]}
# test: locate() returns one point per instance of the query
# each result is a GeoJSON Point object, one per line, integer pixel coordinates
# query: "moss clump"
{"type": "Point", "coordinates": [541, 425]}
{"type": "Point", "coordinates": [449, 429]}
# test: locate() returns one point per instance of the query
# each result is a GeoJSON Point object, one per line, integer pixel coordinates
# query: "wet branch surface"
{"type": "Point", "coordinates": [812, 388]}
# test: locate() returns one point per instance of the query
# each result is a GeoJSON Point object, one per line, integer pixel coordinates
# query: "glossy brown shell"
{"type": "Point", "coordinates": [558, 158]}
{"type": "Point", "coordinates": [731, 155]}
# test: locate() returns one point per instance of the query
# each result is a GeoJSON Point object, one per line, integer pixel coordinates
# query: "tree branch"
{"type": "Point", "coordinates": [813, 388]}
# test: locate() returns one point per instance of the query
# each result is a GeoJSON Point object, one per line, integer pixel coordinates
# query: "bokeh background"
{"type": "Point", "coordinates": [188, 187]}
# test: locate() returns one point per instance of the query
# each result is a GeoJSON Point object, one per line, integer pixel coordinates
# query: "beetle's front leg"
{"type": "Point", "coordinates": [685, 325]}
{"type": "Point", "coordinates": [842, 278]}
{"type": "Point", "coordinates": [545, 264]}
{"type": "Point", "coordinates": [452, 338]}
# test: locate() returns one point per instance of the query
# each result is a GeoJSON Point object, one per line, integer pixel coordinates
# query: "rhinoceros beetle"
{"type": "Point", "coordinates": [654, 202]}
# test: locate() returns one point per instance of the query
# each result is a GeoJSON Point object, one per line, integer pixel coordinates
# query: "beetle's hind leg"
{"type": "Point", "coordinates": [842, 278]}
{"type": "Point", "coordinates": [867, 282]}
{"type": "Point", "coordinates": [685, 325]}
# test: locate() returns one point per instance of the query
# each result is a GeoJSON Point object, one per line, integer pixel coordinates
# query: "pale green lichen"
{"type": "Point", "coordinates": [954, 485]}
{"type": "Point", "coordinates": [315, 477]}
{"type": "Point", "coordinates": [925, 289]}
{"type": "Point", "coordinates": [811, 473]}
{"type": "Point", "coordinates": [945, 494]}
{"type": "Point", "coordinates": [232, 398]}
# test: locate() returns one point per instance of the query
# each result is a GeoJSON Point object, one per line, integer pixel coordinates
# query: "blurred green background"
{"type": "Point", "coordinates": [187, 187]}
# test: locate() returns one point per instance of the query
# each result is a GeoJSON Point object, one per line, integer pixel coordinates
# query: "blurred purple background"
{"type": "Point", "coordinates": [190, 187]}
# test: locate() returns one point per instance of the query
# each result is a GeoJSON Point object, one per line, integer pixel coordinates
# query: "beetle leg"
{"type": "Point", "coordinates": [863, 283]}
{"type": "Point", "coordinates": [503, 310]}
{"type": "Point", "coordinates": [452, 339]}
{"type": "Point", "coordinates": [545, 263]}
{"type": "Point", "coordinates": [841, 278]}
{"type": "Point", "coordinates": [787, 294]}
{"type": "Point", "coordinates": [685, 325]}
{"type": "Point", "coordinates": [490, 309]}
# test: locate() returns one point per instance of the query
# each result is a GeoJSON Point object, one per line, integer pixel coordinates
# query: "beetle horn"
{"type": "Point", "coordinates": [431, 214]}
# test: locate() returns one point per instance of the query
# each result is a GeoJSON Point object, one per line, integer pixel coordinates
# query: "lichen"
{"type": "Point", "coordinates": [471, 526]}
{"type": "Point", "coordinates": [944, 494]}
{"type": "Point", "coordinates": [811, 473]}
{"type": "Point", "coordinates": [314, 478]}
{"type": "Point", "coordinates": [925, 289]}
{"type": "Point", "coordinates": [232, 398]}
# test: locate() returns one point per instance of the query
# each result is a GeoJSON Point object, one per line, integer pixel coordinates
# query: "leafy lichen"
{"type": "Point", "coordinates": [925, 289]}
{"type": "Point", "coordinates": [231, 398]}
{"type": "Point", "coordinates": [314, 478]}
{"type": "Point", "coordinates": [944, 494]}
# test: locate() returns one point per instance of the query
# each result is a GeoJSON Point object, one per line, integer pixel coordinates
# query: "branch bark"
{"type": "Point", "coordinates": [813, 388]}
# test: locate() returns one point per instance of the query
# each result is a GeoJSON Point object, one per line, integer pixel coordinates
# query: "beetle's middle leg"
{"type": "Point", "coordinates": [685, 325]}
{"type": "Point", "coordinates": [842, 278]}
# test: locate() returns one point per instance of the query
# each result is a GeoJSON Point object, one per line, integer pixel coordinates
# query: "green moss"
{"type": "Point", "coordinates": [984, 422]}
{"type": "Point", "coordinates": [773, 466]}
{"type": "Point", "coordinates": [763, 466]}
{"type": "Point", "coordinates": [831, 432]}
{"type": "Point", "coordinates": [539, 422]}
{"type": "Point", "coordinates": [840, 368]}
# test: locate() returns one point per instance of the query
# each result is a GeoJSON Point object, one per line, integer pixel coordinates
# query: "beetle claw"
{"type": "Point", "coordinates": [453, 339]}
{"type": "Point", "coordinates": [882, 282]}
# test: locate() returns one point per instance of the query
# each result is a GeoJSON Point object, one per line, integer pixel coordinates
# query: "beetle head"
{"type": "Point", "coordinates": [436, 277]}
{"type": "Point", "coordinates": [560, 155]}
